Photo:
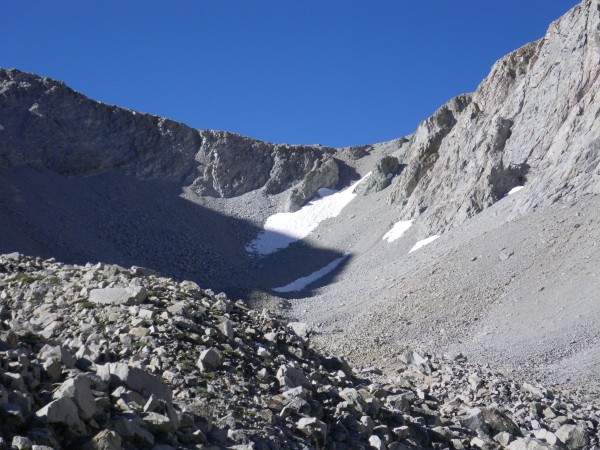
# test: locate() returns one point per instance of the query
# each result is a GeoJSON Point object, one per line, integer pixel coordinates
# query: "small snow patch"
{"type": "Point", "coordinates": [423, 243]}
{"type": "Point", "coordinates": [397, 230]}
{"type": "Point", "coordinates": [515, 190]}
{"type": "Point", "coordinates": [282, 229]}
{"type": "Point", "coordinates": [301, 283]}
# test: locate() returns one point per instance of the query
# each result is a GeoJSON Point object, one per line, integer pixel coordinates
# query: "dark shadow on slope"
{"type": "Point", "coordinates": [121, 220]}
{"type": "Point", "coordinates": [308, 269]}
{"type": "Point", "coordinates": [347, 174]}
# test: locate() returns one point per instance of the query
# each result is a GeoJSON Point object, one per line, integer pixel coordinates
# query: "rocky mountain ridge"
{"type": "Point", "coordinates": [47, 125]}
{"type": "Point", "coordinates": [531, 122]}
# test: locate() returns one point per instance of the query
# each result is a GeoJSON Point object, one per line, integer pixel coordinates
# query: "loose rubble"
{"type": "Point", "coordinates": [103, 357]}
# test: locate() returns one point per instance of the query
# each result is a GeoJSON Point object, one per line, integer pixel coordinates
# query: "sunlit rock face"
{"type": "Point", "coordinates": [532, 120]}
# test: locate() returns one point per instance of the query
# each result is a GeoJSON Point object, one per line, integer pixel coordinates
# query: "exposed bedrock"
{"type": "Point", "coordinates": [531, 121]}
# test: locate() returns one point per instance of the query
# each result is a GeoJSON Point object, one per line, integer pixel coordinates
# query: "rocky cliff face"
{"type": "Point", "coordinates": [48, 125]}
{"type": "Point", "coordinates": [531, 122]}
{"type": "Point", "coordinates": [233, 165]}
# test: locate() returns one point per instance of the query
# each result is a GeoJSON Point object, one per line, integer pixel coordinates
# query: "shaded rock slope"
{"type": "Point", "coordinates": [104, 357]}
{"type": "Point", "coordinates": [84, 181]}
{"type": "Point", "coordinates": [47, 125]}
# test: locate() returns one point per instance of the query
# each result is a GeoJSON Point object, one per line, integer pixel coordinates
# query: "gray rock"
{"type": "Point", "coordinates": [209, 360]}
{"type": "Point", "coordinates": [137, 380]}
{"type": "Point", "coordinates": [352, 396]}
{"type": "Point", "coordinates": [505, 254]}
{"type": "Point", "coordinates": [377, 443]}
{"type": "Point", "coordinates": [62, 410]}
{"type": "Point", "coordinates": [226, 327]}
{"type": "Point", "coordinates": [534, 391]}
{"type": "Point", "coordinates": [290, 377]}
{"type": "Point", "coordinates": [300, 328]}
{"type": "Point", "coordinates": [22, 443]}
{"type": "Point", "coordinates": [474, 420]}
{"type": "Point", "coordinates": [381, 176]}
{"type": "Point", "coordinates": [133, 433]}
{"type": "Point", "coordinates": [78, 389]}
{"type": "Point", "coordinates": [314, 428]}
{"type": "Point", "coordinates": [178, 309]}
{"type": "Point", "coordinates": [500, 422]}
{"type": "Point", "coordinates": [412, 357]}
{"type": "Point", "coordinates": [504, 438]}
{"type": "Point", "coordinates": [106, 440]}
{"type": "Point", "coordinates": [572, 436]}
{"type": "Point", "coordinates": [53, 368]}
{"type": "Point", "coordinates": [58, 353]}
{"type": "Point", "coordinates": [128, 296]}
{"type": "Point", "coordinates": [529, 444]}
{"type": "Point", "coordinates": [324, 175]}
{"type": "Point", "coordinates": [158, 423]}
{"type": "Point", "coordinates": [144, 271]}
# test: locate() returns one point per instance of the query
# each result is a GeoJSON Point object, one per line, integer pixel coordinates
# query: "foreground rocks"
{"type": "Point", "coordinates": [181, 367]}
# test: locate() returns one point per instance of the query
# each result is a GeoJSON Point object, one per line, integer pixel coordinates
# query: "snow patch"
{"type": "Point", "coordinates": [515, 190]}
{"type": "Point", "coordinates": [397, 230]}
{"type": "Point", "coordinates": [423, 243]}
{"type": "Point", "coordinates": [282, 229]}
{"type": "Point", "coordinates": [301, 283]}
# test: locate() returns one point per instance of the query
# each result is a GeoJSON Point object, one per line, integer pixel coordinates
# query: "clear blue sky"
{"type": "Point", "coordinates": [334, 72]}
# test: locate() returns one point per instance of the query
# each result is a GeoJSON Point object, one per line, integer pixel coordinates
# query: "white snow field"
{"type": "Point", "coordinates": [397, 230]}
{"type": "Point", "coordinates": [282, 229]}
{"type": "Point", "coordinates": [515, 190]}
{"type": "Point", "coordinates": [423, 243]}
{"type": "Point", "coordinates": [303, 282]}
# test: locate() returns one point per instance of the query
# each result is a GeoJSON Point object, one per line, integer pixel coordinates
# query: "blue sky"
{"type": "Point", "coordinates": [334, 72]}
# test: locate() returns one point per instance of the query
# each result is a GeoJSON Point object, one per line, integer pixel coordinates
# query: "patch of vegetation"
{"type": "Point", "coordinates": [187, 362]}
{"type": "Point", "coordinates": [202, 391]}
{"type": "Point", "coordinates": [248, 412]}
{"type": "Point", "coordinates": [25, 278]}
{"type": "Point", "coordinates": [229, 351]}
{"type": "Point", "coordinates": [88, 305]}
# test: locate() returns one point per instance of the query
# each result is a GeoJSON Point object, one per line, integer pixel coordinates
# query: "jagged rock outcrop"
{"type": "Point", "coordinates": [47, 125]}
{"type": "Point", "coordinates": [324, 175]}
{"type": "Point", "coordinates": [385, 169]}
{"type": "Point", "coordinates": [186, 368]}
{"type": "Point", "coordinates": [531, 122]}
{"type": "Point", "coordinates": [233, 165]}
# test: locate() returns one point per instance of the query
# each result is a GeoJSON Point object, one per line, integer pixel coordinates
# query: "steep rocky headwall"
{"type": "Point", "coordinates": [531, 122]}
{"type": "Point", "coordinates": [232, 165]}
{"type": "Point", "coordinates": [47, 125]}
